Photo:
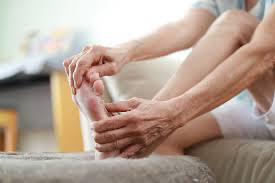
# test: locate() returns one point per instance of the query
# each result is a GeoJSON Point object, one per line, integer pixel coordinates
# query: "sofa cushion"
{"type": "Point", "coordinates": [80, 167]}
{"type": "Point", "coordinates": [143, 79]}
{"type": "Point", "coordinates": [239, 160]}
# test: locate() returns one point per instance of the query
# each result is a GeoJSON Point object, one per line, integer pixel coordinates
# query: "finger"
{"type": "Point", "coordinates": [90, 56]}
{"type": "Point", "coordinates": [81, 66]}
{"type": "Point", "coordinates": [98, 87]}
{"type": "Point", "coordinates": [106, 69]}
{"type": "Point", "coordinates": [71, 70]}
{"type": "Point", "coordinates": [87, 48]}
{"type": "Point", "coordinates": [93, 78]}
{"type": "Point", "coordinates": [122, 106]}
{"type": "Point", "coordinates": [131, 151]}
{"type": "Point", "coordinates": [114, 135]}
{"type": "Point", "coordinates": [110, 123]}
{"type": "Point", "coordinates": [117, 145]}
{"type": "Point", "coordinates": [66, 64]}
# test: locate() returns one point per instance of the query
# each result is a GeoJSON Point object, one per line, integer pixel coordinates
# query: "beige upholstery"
{"type": "Point", "coordinates": [141, 79]}
{"type": "Point", "coordinates": [239, 160]}
{"type": "Point", "coordinates": [82, 168]}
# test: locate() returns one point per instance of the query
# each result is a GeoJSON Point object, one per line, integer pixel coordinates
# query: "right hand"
{"type": "Point", "coordinates": [106, 61]}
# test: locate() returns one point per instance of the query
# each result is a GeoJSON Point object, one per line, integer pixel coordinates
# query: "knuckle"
{"type": "Point", "coordinates": [100, 148]}
{"type": "Point", "coordinates": [81, 63]}
{"type": "Point", "coordinates": [96, 49]}
{"type": "Point", "coordinates": [116, 145]}
{"type": "Point", "coordinates": [134, 101]}
{"type": "Point", "coordinates": [96, 127]}
{"type": "Point", "coordinates": [71, 66]}
{"type": "Point", "coordinates": [66, 62]}
{"type": "Point", "coordinates": [113, 68]}
{"type": "Point", "coordinates": [111, 136]}
{"type": "Point", "coordinates": [86, 48]}
{"type": "Point", "coordinates": [97, 138]}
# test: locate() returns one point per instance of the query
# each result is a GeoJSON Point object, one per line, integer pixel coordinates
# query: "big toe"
{"type": "Point", "coordinates": [98, 87]}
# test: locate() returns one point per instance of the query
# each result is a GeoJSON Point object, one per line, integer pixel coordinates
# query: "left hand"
{"type": "Point", "coordinates": [143, 125]}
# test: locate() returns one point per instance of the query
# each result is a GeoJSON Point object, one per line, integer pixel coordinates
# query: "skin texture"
{"type": "Point", "coordinates": [172, 37]}
{"type": "Point", "coordinates": [245, 66]}
{"type": "Point", "coordinates": [145, 124]}
{"type": "Point", "coordinates": [88, 99]}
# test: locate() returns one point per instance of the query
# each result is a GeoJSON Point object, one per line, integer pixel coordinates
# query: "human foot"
{"type": "Point", "coordinates": [88, 99]}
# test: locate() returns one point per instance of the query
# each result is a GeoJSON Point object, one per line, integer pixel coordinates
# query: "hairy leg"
{"type": "Point", "coordinates": [88, 99]}
{"type": "Point", "coordinates": [228, 33]}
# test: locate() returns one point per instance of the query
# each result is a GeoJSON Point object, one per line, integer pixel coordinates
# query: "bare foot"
{"type": "Point", "coordinates": [88, 99]}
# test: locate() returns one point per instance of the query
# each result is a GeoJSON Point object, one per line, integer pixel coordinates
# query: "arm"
{"type": "Point", "coordinates": [239, 71]}
{"type": "Point", "coordinates": [172, 37]}
{"type": "Point", "coordinates": [152, 121]}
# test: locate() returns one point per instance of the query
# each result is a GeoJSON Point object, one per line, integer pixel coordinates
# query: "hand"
{"type": "Point", "coordinates": [94, 59]}
{"type": "Point", "coordinates": [139, 130]}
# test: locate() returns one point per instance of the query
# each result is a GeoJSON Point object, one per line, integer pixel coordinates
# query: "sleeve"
{"type": "Point", "coordinates": [210, 5]}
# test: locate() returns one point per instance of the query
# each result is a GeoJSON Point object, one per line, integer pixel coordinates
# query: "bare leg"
{"type": "Point", "coordinates": [89, 101]}
{"type": "Point", "coordinates": [263, 91]}
{"type": "Point", "coordinates": [225, 36]}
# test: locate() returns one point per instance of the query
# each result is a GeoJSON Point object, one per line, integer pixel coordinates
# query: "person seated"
{"type": "Point", "coordinates": [233, 50]}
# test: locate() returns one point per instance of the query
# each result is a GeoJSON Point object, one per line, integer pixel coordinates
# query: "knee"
{"type": "Point", "coordinates": [239, 25]}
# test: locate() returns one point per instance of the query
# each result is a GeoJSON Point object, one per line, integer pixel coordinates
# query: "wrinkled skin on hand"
{"type": "Point", "coordinates": [137, 132]}
{"type": "Point", "coordinates": [106, 61]}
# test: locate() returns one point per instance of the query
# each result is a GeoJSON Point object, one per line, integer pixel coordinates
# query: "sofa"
{"type": "Point", "coordinates": [82, 168]}
{"type": "Point", "coordinates": [231, 160]}
{"type": "Point", "coordinates": [221, 160]}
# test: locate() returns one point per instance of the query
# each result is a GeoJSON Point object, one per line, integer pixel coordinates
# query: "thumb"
{"type": "Point", "coordinates": [122, 106]}
{"type": "Point", "coordinates": [106, 69]}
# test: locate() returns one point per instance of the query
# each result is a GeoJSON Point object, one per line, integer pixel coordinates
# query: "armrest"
{"type": "Point", "coordinates": [58, 167]}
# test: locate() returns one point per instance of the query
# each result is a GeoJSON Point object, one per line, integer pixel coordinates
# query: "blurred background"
{"type": "Point", "coordinates": [36, 112]}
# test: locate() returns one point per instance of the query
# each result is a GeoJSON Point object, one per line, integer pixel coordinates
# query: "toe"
{"type": "Point", "coordinates": [98, 87]}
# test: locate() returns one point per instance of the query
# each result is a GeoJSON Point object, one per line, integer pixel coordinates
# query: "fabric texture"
{"type": "Point", "coordinates": [141, 79]}
{"type": "Point", "coordinates": [80, 167]}
{"type": "Point", "coordinates": [268, 118]}
{"type": "Point", "coordinates": [235, 119]}
{"type": "Point", "coordinates": [238, 160]}
{"type": "Point", "coordinates": [218, 7]}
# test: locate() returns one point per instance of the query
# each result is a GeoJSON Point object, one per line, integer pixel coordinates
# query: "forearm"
{"type": "Point", "coordinates": [171, 37]}
{"type": "Point", "coordinates": [226, 81]}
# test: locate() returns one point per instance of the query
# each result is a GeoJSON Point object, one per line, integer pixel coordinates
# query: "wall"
{"type": "Point", "coordinates": [32, 104]}
{"type": "Point", "coordinates": [108, 21]}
